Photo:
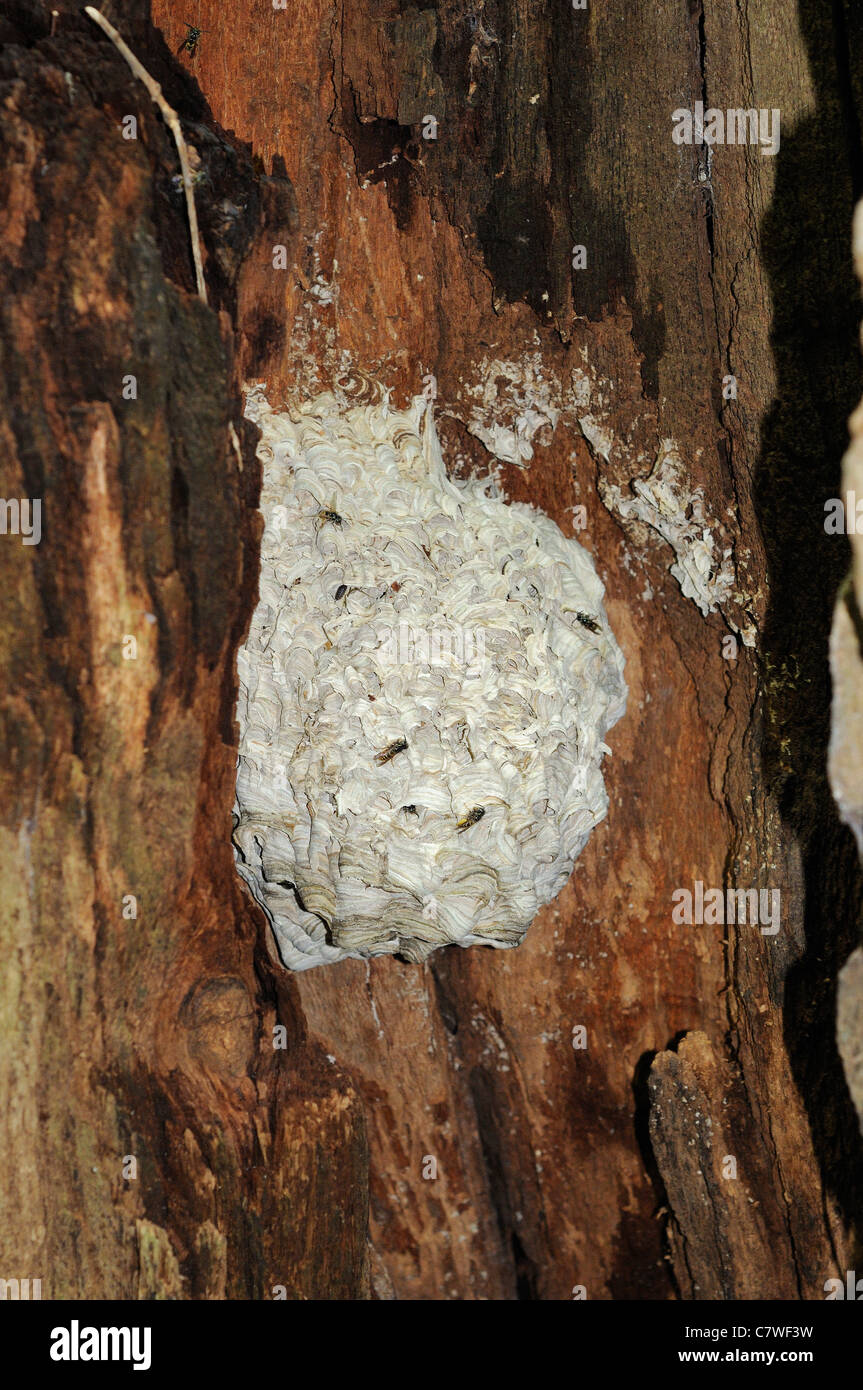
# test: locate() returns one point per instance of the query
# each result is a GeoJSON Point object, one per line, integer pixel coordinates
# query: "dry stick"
{"type": "Point", "coordinates": [171, 120]}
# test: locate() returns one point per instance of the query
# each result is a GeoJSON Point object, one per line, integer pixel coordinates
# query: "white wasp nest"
{"type": "Point", "coordinates": [424, 692]}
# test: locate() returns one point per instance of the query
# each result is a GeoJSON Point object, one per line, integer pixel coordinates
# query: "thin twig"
{"type": "Point", "coordinates": [171, 120]}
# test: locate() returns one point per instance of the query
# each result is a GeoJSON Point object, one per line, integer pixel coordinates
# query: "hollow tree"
{"type": "Point", "coordinates": [482, 199]}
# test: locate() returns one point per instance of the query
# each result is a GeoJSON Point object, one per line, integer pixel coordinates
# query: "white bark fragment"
{"type": "Point", "coordinates": [664, 502]}
{"type": "Point", "coordinates": [510, 404]}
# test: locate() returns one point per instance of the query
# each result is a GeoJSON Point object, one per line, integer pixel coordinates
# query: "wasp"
{"type": "Point", "coordinates": [590, 623]}
{"type": "Point", "coordinates": [474, 815]}
{"type": "Point", "coordinates": [410, 810]}
{"type": "Point", "coordinates": [190, 42]}
{"type": "Point", "coordinates": [332, 517]}
{"type": "Point", "coordinates": [198, 176]}
{"type": "Point", "coordinates": [397, 746]}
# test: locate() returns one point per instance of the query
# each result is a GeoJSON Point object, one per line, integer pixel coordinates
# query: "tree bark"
{"type": "Point", "coordinates": [263, 1171]}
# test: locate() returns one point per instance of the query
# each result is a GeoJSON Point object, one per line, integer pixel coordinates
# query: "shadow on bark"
{"type": "Point", "coordinates": [815, 340]}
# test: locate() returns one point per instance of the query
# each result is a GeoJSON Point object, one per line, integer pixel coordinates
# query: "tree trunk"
{"type": "Point", "coordinates": [156, 1144]}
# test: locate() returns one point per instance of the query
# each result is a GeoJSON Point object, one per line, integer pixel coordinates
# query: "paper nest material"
{"type": "Point", "coordinates": [424, 692]}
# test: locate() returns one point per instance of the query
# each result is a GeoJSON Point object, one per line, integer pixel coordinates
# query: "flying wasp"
{"type": "Point", "coordinates": [397, 746]}
{"type": "Point", "coordinates": [333, 517]}
{"type": "Point", "coordinates": [470, 819]}
{"type": "Point", "coordinates": [590, 623]}
{"type": "Point", "coordinates": [190, 42]}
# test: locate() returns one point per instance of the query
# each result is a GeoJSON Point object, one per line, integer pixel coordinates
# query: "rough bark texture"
{"type": "Point", "coordinates": [601, 1167]}
{"type": "Point", "coordinates": [151, 1036]}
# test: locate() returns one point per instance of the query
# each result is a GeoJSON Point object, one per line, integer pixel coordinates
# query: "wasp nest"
{"type": "Point", "coordinates": [424, 693]}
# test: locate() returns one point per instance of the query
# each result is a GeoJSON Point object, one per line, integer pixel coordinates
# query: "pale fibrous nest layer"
{"type": "Point", "coordinates": [424, 693]}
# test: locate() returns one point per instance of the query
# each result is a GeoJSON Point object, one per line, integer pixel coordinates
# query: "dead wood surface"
{"type": "Point", "coordinates": [599, 1167]}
